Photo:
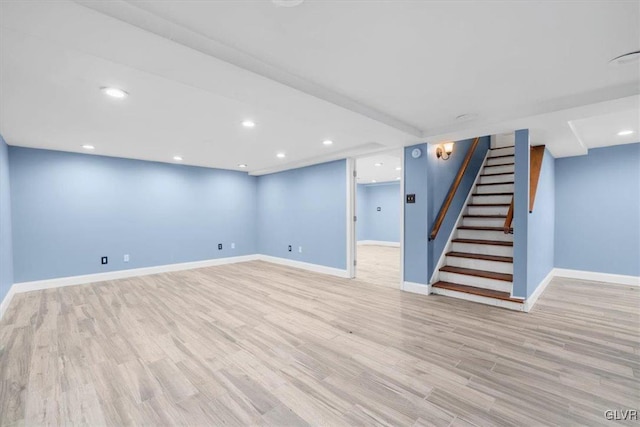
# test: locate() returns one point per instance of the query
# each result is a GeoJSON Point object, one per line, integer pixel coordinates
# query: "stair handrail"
{"type": "Point", "coordinates": [452, 191]}
{"type": "Point", "coordinates": [536, 154]}
{"type": "Point", "coordinates": [509, 219]}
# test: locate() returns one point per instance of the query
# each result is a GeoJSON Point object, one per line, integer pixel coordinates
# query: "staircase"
{"type": "Point", "coordinates": [479, 258]}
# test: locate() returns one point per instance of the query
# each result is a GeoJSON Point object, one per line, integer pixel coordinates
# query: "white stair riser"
{"type": "Point", "coordinates": [474, 248]}
{"type": "Point", "coordinates": [498, 169]}
{"type": "Point", "coordinates": [483, 222]}
{"type": "Point", "coordinates": [487, 210]}
{"type": "Point", "coordinates": [479, 299]}
{"type": "Point", "coordinates": [502, 151]}
{"type": "Point", "coordinates": [497, 178]}
{"type": "Point", "coordinates": [480, 264]}
{"type": "Point", "coordinates": [495, 188]}
{"type": "Point", "coordinates": [478, 282]}
{"type": "Point", "coordinates": [500, 160]}
{"type": "Point", "coordinates": [485, 235]}
{"type": "Point", "coordinates": [491, 199]}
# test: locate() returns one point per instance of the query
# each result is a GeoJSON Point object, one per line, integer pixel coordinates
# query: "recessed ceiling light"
{"type": "Point", "coordinates": [378, 164]}
{"type": "Point", "coordinates": [177, 158]}
{"type": "Point", "coordinates": [627, 58]}
{"type": "Point", "coordinates": [625, 132]}
{"type": "Point", "coordinates": [242, 165]}
{"type": "Point", "coordinates": [248, 124]}
{"type": "Point", "coordinates": [114, 92]}
{"type": "Point", "coordinates": [327, 142]}
{"type": "Point", "coordinates": [398, 168]}
{"type": "Point", "coordinates": [373, 180]}
{"type": "Point", "coordinates": [281, 155]}
{"type": "Point", "coordinates": [88, 147]}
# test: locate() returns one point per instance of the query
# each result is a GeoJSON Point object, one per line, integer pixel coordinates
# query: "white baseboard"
{"type": "Point", "coordinates": [593, 276]}
{"type": "Point", "coordinates": [317, 268]}
{"type": "Point", "coordinates": [114, 275]}
{"type": "Point", "coordinates": [123, 274]}
{"type": "Point", "coordinates": [379, 243]}
{"type": "Point", "coordinates": [530, 302]}
{"type": "Point", "coordinates": [416, 288]}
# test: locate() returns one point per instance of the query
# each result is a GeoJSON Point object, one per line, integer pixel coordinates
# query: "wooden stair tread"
{"type": "Point", "coordinates": [481, 256]}
{"type": "Point", "coordinates": [480, 227]}
{"type": "Point", "coordinates": [496, 183]}
{"type": "Point", "coordinates": [489, 204]}
{"type": "Point", "coordinates": [498, 157]}
{"type": "Point", "coordinates": [500, 148]}
{"type": "Point", "coordinates": [484, 216]}
{"type": "Point", "coordinates": [488, 293]}
{"type": "Point", "coordinates": [483, 242]}
{"type": "Point", "coordinates": [478, 273]}
{"type": "Point", "coordinates": [492, 194]}
{"type": "Point", "coordinates": [497, 174]}
{"type": "Point", "coordinates": [497, 166]}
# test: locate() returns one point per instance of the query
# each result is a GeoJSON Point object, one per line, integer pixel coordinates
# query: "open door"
{"type": "Point", "coordinates": [375, 218]}
{"type": "Point", "coordinates": [351, 218]}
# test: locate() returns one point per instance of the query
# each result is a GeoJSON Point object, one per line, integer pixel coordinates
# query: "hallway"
{"type": "Point", "coordinates": [379, 265]}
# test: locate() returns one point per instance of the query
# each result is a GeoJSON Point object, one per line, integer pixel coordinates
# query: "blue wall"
{"type": "Point", "coordinates": [598, 211]}
{"type": "Point", "coordinates": [541, 226]}
{"type": "Point", "coordinates": [69, 210]}
{"type": "Point", "coordinates": [305, 207]}
{"type": "Point", "coordinates": [383, 225]}
{"type": "Point", "coordinates": [521, 213]}
{"type": "Point", "coordinates": [6, 241]}
{"type": "Point", "coordinates": [442, 173]}
{"type": "Point", "coordinates": [361, 207]}
{"type": "Point", "coordinates": [416, 230]}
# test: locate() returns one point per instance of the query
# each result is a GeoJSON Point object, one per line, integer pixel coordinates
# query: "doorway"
{"type": "Point", "coordinates": [378, 228]}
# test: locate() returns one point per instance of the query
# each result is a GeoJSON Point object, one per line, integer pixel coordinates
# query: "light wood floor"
{"type": "Point", "coordinates": [261, 344]}
{"type": "Point", "coordinates": [379, 265]}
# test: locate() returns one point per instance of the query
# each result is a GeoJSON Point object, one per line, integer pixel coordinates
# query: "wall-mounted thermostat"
{"type": "Point", "coordinates": [416, 153]}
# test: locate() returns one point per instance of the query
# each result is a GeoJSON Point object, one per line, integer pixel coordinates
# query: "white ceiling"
{"type": "Point", "coordinates": [181, 101]}
{"type": "Point", "coordinates": [368, 171]}
{"type": "Point", "coordinates": [368, 75]}
{"type": "Point", "coordinates": [556, 129]}
{"type": "Point", "coordinates": [602, 131]}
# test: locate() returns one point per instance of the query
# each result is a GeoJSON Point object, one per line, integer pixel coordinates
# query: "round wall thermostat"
{"type": "Point", "coordinates": [416, 153]}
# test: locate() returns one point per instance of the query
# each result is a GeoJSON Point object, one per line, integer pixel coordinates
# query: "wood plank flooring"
{"type": "Point", "coordinates": [261, 344]}
{"type": "Point", "coordinates": [379, 265]}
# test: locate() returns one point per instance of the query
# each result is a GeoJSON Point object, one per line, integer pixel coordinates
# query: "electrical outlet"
{"type": "Point", "coordinates": [104, 260]}
{"type": "Point", "coordinates": [289, 248]}
{"type": "Point", "coordinates": [299, 249]}
{"type": "Point", "coordinates": [233, 246]}
{"type": "Point", "coordinates": [126, 257]}
{"type": "Point", "coordinates": [220, 246]}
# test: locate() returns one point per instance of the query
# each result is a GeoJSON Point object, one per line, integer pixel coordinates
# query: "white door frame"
{"type": "Point", "coordinates": [402, 172]}
{"type": "Point", "coordinates": [351, 223]}
{"type": "Point", "coordinates": [351, 212]}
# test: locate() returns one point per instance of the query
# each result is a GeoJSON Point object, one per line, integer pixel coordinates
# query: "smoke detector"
{"type": "Point", "coordinates": [627, 58]}
{"type": "Point", "coordinates": [287, 3]}
{"type": "Point", "coordinates": [466, 117]}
